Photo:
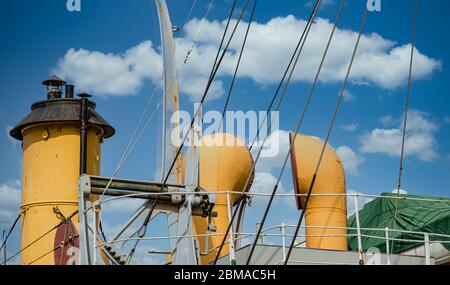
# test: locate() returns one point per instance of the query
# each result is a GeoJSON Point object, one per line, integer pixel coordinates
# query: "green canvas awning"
{"type": "Point", "coordinates": [412, 215]}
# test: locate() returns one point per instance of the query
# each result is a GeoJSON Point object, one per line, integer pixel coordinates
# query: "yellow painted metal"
{"type": "Point", "coordinates": [224, 165]}
{"type": "Point", "coordinates": [51, 159]}
{"type": "Point", "coordinates": [322, 211]}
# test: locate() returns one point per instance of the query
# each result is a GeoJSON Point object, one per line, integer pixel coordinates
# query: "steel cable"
{"type": "Point", "coordinates": [302, 116]}
{"type": "Point", "coordinates": [400, 172]}
{"type": "Point", "coordinates": [295, 56]}
{"type": "Point", "coordinates": [237, 66]}
{"type": "Point", "coordinates": [325, 143]}
{"type": "Point", "coordinates": [41, 237]}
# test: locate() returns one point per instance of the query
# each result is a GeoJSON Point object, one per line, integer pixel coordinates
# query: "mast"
{"type": "Point", "coordinates": [170, 95]}
{"type": "Point", "coordinates": [179, 223]}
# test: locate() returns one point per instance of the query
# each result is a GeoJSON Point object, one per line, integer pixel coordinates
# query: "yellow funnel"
{"type": "Point", "coordinates": [322, 211]}
{"type": "Point", "coordinates": [50, 137]}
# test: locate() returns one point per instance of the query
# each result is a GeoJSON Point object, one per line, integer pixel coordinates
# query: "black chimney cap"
{"type": "Point", "coordinates": [61, 110]}
{"type": "Point", "coordinates": [84, 95]}
{"type": "Point", "coordinates": [54, 81]}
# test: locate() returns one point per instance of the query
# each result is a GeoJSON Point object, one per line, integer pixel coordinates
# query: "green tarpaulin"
{"type": "Point", "coordinates": [412, 215]}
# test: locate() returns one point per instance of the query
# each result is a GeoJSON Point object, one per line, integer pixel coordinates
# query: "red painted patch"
{"type": "Point", "coordinates": [69, 253]}
{"type": "Point", "coordinates": [294, 169]}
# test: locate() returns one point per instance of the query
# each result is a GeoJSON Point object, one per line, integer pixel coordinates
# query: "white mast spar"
{"type": "Point", "coordinates": [183, 250]}
{"type": "Point", "coordinates": [170, 95]}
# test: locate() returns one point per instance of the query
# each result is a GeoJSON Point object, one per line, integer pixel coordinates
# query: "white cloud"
{"type": "Point", "coordinates": [380, 62]}
{"type": "Point", "coordinates": [420, 121]}
{"type": "Point", "coordinates": [351, 202]}
{"type": "Point", "coordinates": [143, 257]}
{"type": "Point", "coordinates": [274, 152]}
{"type": "Point", "coordinates": [402, 192]}
{"type": "Point", "coordinates": [110, 228]}
{"type": "Point", "coordinates": [111, 74]}
{"type": "Point", "coordinates": [14, 143]}
{"type": "Point", "coordinates": [10, 201]}
{"type": "Point", "coordinates": [350, 128]}
{"type": "Point", "coordinates": [323, 3]}
{"type": "Point", "coordinates": [269, 41]}
{"type": "Point", "coordinates": [350, 159]}
{"type": "Point", "coordinates": [387, 121]}
{"type": "Point", "coordinates": [447, 119]}
{"type": "Point", "coordinates": [389, 68]}
{"type": "Point", "coordinates": [264, 182]}
{"type": "Point", "coordinates": [348, 96]}
{"type": "Point", "coordinates": [420, 141]}
{"type": "Point", "coordinates": [122, 206]}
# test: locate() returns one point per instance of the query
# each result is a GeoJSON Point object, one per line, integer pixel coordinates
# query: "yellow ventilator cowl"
{"type": "Point", "coordinates": [321, 211]}
{"type": "Point", "coordinates": [225, 163]}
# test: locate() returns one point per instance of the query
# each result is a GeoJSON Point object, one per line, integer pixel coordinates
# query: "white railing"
{"type": "Point", "coordinates": [284, 235]}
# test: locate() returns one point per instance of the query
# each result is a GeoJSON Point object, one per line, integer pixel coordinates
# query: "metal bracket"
{"type": "Point", "coordinates": [84, 187]}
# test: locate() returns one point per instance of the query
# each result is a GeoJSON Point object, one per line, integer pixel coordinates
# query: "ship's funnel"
{"type": "Point", "coordinates": [225, 164]}
{"type": "Point", "coordinates": [50, 136]}
{"type": "Point", "coordinates": [322, 212]}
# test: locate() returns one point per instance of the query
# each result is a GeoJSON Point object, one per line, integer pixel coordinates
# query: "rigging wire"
{"type": "Point", "coordinates": [10, 230]}
{"type": "Point", "coordinates": [222, 39]}
{"type": "Point", "coordinates": [204, 95]}
{"type": "Point", "coordinates": [41, 236]}
{"type": "Point", "coordinates": [200, 104]}
{"type": "Point", "coordinates": [237, 66]}
{"type": "Point", "coordinates": [61, 246]}
{"type": "Point", "coordinates": [294, 59]}
{"type": "Point", "coordinates": [212, 75]}
{"type": "Point", "coordinates": [130, 145]}
{"type": "Point", "coordinates": [140, 233]}
{"type": "Point", "coordinates": [407, 99]}
{"type": "Point", "coordinates": [4, 249]}
{"type": "Point", "coordinates": [101, 230]}
{"type": "Point", "coordinates": [325, 143]}
{"type": "Point", "coordinates": [300, 122]}
{"type": "Point", "coordinates": [194, 41]}
{"type": "Point", "coordinates": [408, 95]}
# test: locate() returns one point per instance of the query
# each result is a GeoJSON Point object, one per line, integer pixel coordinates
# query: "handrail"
{"type": "Point", "coordinates": [268, 232]}
{"type": "Point", "coordinates": [279, 195]}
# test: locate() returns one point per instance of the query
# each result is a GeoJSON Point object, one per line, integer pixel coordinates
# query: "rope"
{"type": "Point", "coordinates": [10, 231]}
{"type": "Point", "coordinates": [222, 39]}
{"type": "Point", "coordinates": [204, 96]}
{"type": "Point", "coordinates": [327, 136]}
{"type": "Point", "coordinates": [237, 66]}
{"type": "Point", "coordinates": [101, 230]}
{"type": "Point", "coordinates": [140, 234]}
{"type": "Point", "coordinates": [62, 245]}
{"type": "Point", "coordinates": [212, 76]}
{"type": "Point", "coordinates": [279, 178]}
{"type": "Point", "coordinates": [122, 162]}
{"type": "Point", "coordinates": [131, 146]}
{"type": "Point", "coordinates": [295, 56]}
{"type": "Point", "coordinates": [41, 237]}
{"type": "Point", "coordinates": [400, 172]}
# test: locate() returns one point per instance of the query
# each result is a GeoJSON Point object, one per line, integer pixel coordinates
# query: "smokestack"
{"type": "Point", "coordinates": [84, 118]}
{"type": "Point", "coordinates": [69, 91]}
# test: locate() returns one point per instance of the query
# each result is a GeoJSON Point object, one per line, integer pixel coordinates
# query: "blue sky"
{"type": "Point", "coordinates": [40, 38]}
